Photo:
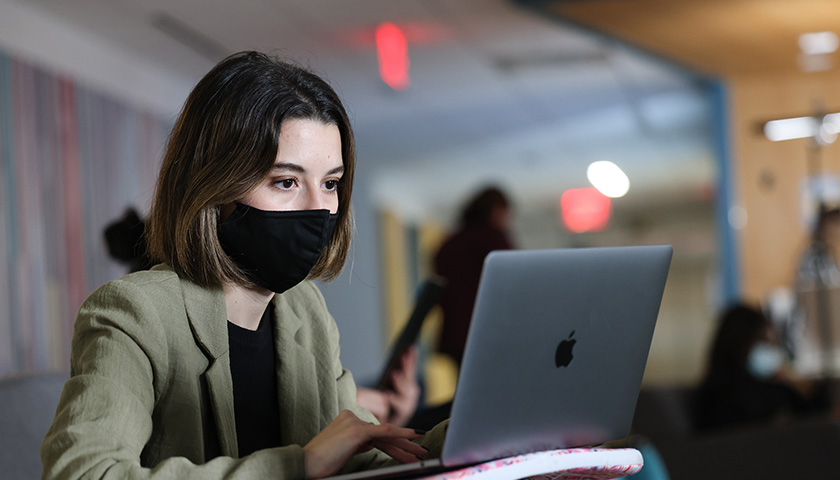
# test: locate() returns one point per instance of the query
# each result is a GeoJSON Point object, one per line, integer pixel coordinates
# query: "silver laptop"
{"type": "Point", "coordinates": [555, 354]}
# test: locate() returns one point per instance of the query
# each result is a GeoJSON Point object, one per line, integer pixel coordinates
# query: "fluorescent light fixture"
{"type": "Point", "coordinates": [791, 128]}
{"type": "Point", "coordinates": [608, 178]}
{"type": "Point", "coordinates": [818, 43]}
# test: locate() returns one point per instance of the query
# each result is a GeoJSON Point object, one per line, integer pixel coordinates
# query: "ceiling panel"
{"type": "Point", "coordinates": [719, 37]}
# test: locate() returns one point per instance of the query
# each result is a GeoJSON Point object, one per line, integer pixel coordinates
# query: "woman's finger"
{"type": "Point", "coordinates": [405, 445]}
{"type": "Point", "coordinates": [390, 431]}
{"type": "Point", "coordinates": [408, 367]}
{"type": "Point", "coordinates": [400, 452]}
{"type": "Point", "coordinates": [396, 442]}
{"type": "Point", "coordinates": [409, 361]}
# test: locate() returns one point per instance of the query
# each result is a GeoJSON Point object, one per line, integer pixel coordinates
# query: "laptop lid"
{"type": "Point", "coordinates": [556, 350]}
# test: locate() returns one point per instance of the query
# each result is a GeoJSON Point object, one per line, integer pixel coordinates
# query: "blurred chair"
{"type": "Point", "coordinates": [800, 448]}
{"type": "Point", "coordinates": [664, 414]}
{"type": "Point", "coordinates": [27, 408]}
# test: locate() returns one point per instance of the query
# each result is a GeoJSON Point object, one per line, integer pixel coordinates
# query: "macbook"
{"type": "Point", "coordinates": [555, 354]}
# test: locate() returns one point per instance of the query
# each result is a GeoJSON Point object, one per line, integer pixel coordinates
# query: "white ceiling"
{"type": "Point", "coordinates": [498, 93]}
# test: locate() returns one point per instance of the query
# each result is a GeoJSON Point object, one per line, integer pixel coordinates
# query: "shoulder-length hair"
{"type": "Point", "coordinates": [479, 210]}
{"type": "Point", "coordinates": [223, 143]}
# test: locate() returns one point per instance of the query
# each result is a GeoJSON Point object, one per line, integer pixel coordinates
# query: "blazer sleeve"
{"type": "Point", "coordinates": [104, 417]}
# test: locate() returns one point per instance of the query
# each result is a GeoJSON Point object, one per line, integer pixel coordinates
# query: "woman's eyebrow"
{"type": "Point", "coordinates": [294, 167]}
{"type": "Point", "coordinates": [289, 166]}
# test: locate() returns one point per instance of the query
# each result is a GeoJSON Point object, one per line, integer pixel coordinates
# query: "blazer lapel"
{"type": "Point", "coordinates": [297, 390]}
{"type": "Point", "coordinates": [207, 315]}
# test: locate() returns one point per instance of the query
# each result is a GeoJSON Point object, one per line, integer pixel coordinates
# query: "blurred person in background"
{"type": "Point", "coordinates": [483, 227]}
{"type": "Point", "coordinates": [747, 380]}
{"type": "Point", "coordinates": [807, 331]}
{"type": "Point", "coordinates": [818, 264]}
{"type": "Point", "coordinates": [126, 242]}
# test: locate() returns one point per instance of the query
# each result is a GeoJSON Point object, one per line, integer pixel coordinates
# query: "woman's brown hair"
{"type": "Point", "coordinates": [223, 143]}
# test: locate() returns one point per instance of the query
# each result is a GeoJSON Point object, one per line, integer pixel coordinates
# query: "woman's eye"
{"type": "Point", "coordinates": [286, 184]}
{"type": "Point", "coordinates": [331, 185]}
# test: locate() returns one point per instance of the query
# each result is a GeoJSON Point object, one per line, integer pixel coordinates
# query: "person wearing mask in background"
{"type": "Point", "coordinates": [223, 362]}
{"type": "Point", "coordinates": [805, 330]}
{"type": "Point", "coordinates": [747, 381]}
{"type": "Point", "coordinates": [483, 227]}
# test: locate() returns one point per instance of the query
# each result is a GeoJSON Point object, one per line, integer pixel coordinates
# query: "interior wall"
{"type": "Point", "coordinates": [71, 161]}
{"type": "Point", "coordinates": [769, 175]}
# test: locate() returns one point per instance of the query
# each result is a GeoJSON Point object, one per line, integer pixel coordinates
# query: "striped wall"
{"type": "Point", "coordinates": [71, 161]}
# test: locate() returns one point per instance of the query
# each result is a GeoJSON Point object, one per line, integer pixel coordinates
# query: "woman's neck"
{"type": "Point", "coordinates": [245, 306]}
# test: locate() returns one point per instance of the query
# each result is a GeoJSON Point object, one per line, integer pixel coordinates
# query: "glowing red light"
{"type": "Point", "coordinates": [392, 51]}
{"type": "Point", "coordinates": [585, 210]}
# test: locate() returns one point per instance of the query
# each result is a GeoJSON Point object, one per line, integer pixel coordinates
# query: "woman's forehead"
{"type": "Point", "coordinates": [309, 146]}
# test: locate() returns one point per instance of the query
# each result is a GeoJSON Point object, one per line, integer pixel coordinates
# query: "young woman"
{"type": "Point", "coordinates": [223, 362]}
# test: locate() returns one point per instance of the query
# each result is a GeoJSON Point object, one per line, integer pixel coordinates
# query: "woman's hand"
{"type": "Point", "coordinates": [347, 435]}
{"type": "Point", "coordinates": [403, 399]}
{"type": "Point", "coordinates": [395, 406]}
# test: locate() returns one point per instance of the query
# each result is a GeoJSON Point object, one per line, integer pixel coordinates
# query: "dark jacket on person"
{"type": "Point", "coordinates": [460, 260]}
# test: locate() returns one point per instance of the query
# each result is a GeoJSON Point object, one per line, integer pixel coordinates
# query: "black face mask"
{"type": "Point", "coordinates": [276, 249]}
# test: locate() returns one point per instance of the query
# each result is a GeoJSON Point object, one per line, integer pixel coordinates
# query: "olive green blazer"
{"type": "Point", "coordinates": [150, 393]}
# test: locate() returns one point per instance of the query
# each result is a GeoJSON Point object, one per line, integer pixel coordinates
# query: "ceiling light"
{"type": "Point", "coordinates": [608, 178]}
{"type": "Point", "coordinates": [818, 43]}
{"type": "Point", "coordinates": [824, 130]}
{"type": "Point", "coordinates": [791, 128]}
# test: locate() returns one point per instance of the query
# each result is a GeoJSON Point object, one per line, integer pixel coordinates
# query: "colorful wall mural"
{"type": "Point", "coordinates": [72, 160]}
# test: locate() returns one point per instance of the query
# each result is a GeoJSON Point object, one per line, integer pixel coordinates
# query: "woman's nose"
{"type": "Point", "coordinates": [315, 201]}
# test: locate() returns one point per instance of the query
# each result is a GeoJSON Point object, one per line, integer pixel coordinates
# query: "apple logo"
{"type": "Point", "coordinates": [563, 356]}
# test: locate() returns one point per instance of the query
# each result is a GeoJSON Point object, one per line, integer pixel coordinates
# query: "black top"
{"type": "Point", "coordinates": [252, 367]}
